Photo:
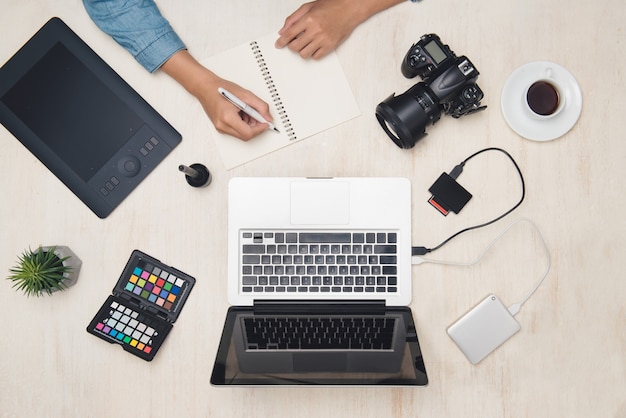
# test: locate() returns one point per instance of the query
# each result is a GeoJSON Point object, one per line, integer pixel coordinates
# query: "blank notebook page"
{"type": "Point", "coordinates": [305, 96]}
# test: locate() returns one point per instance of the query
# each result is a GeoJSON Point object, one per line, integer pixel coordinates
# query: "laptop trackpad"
{"type": "Point", "coordinates": [320, 202]}
{"type": "Point", "coordinates": [319, 362]}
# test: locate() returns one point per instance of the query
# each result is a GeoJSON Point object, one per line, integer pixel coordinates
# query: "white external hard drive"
{"type": "Point", "coordinates": [483, 329]}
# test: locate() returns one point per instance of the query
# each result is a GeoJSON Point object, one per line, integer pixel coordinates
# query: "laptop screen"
{"type": "Point", "coordinates": [245, 358]}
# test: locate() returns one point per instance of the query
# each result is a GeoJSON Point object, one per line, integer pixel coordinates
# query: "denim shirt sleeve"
{"type": "Point", "coordinates": [138, 26]}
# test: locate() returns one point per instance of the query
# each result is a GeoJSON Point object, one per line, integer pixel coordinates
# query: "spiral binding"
{"type": "Point", "coordinates": [278, 102]}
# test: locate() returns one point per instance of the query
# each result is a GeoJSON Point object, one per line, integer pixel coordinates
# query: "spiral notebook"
{"type": "Point", "coordinates": [306, 97]}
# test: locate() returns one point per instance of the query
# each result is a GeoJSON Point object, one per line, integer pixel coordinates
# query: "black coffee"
{"type": "Point", "coordinates": [543, 98]}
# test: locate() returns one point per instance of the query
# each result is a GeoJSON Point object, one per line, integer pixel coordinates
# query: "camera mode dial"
{"type": "Point", "coordinates": [426, 57]}
{"type": "Point", "coordinates": [416, 63]}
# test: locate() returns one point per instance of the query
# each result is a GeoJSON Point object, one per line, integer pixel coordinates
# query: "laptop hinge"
{"type": "Point", "coordinates": [372, 307]}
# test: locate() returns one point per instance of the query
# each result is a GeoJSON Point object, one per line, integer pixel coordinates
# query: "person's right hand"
{"type": "Point", "coordinates": [226, 117]}
{"type": "Point", "coordinates": [203, 84]}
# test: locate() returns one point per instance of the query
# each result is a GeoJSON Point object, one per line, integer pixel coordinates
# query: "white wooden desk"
{"type": "Point", "coordinates": [568, 360]}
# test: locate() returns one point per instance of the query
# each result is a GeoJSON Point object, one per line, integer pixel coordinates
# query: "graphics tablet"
{"type": "Point", "coordinates": [80, 118]}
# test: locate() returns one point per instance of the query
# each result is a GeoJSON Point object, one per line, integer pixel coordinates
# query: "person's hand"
{"type": "Point", "coordinates": [226, 117]}
{"type": "Point", "coordinates": [203, 84]}
{"type": "Point", "coordinates": [317, 28]}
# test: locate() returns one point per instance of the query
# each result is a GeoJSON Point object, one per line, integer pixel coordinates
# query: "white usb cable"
{"type": "Point", "coordinates": [516, 307]}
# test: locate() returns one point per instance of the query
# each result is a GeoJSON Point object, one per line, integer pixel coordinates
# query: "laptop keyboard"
{"type": "Point", "coordinates": [319, 262]}
{"type": "Point", "coordinates": [322, 333]}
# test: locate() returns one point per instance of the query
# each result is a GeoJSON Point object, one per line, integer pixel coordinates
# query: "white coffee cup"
{"type": "Point", "coordinates": [544, 98]}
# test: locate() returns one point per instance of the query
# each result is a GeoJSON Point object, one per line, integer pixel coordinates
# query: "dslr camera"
{"type": "Point", "coordinates": [448, 86]}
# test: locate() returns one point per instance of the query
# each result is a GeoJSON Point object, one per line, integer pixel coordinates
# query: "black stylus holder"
{"type": "Point", "coordinates": [197, 175]}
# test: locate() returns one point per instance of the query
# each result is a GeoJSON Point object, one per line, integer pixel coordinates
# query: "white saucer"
{"type": "Point", "coordinates": [516, 113]}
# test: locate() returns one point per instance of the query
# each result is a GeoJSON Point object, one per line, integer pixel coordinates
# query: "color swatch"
{"type": "Point", "coordinates": [127, 326]}
{"type": "Point", "coordinates": [155, 285]}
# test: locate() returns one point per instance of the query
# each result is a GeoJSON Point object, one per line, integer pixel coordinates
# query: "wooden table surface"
{"type": "Point", "coordinates": [568, 360]}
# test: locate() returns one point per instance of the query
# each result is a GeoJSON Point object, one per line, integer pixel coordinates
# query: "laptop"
{"type": "Point", "coordinates": [319, 279]}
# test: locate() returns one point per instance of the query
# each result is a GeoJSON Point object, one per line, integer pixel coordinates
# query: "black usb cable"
{"type": "Point", "coordinates": [448, 195]}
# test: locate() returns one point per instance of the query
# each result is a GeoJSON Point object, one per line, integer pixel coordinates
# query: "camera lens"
{"type": "Point", "coordinates": [404, 117]}
{"type": "Point", "coordinates": [389, 126]}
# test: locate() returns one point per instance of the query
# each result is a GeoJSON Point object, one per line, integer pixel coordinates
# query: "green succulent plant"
{"type": "Point", "coordinates": [39, 272]}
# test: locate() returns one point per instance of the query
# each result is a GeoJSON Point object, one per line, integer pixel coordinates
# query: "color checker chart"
{"type": "Point", "coordinates": [155, 284]}
{"type": "Point", "coordinates": [146, 301]}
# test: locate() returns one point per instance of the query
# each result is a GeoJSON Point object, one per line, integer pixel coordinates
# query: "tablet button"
{"type": "Point", "coordinates": [129, 166]}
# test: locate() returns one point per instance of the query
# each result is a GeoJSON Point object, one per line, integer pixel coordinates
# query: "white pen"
{"type": "Point", "coordinates": [246, 108]}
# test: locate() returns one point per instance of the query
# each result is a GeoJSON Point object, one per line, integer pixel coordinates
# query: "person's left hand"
{"type": "Point", "coordinates": [318, 27]}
